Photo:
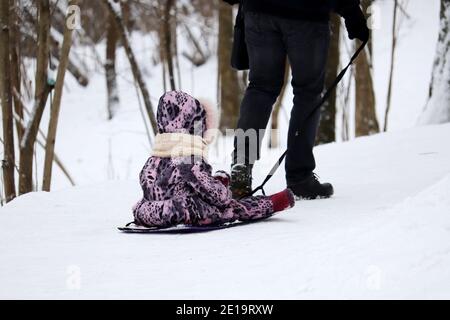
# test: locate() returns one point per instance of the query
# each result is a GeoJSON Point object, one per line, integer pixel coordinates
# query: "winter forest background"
{"type": "Point", "coordinates": [79, 84]}
{"type": "Point", "coordinates": [125, 54]}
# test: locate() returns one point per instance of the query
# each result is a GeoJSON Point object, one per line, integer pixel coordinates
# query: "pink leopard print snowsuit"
{"type": "Point", "coordinates": [182, 190]}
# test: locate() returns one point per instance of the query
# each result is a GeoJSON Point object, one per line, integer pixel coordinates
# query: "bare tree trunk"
{"type": "Point", "coordinates": [110, 67]}
{"type": "Point", "coordinates": [228, 79]}
{"type": "Point", "coordinates": [437, 109]}
{"type": "Point", "coordinates": [164, 72]}
{"type": "Point", "coordinates": [175, 47]}
{"type": "Point", "coordinates": [345, 110]}
{"type": "Point", "coordinates": [43, 47]}
{"type": "Point", "coordinates": [168, 42]}
{"type": "Point", "coordinates": [391, 72]}
{"type": "Point", "coordinates": [162, 51]}
{"type": "Point", "coordinates": [126, 13]}
{"type": "Point", "coordinates": [8, 162]}
{"type": "Point", "coordinates": [134, 66]}
{"type": "Point", "coordinates": [366, 122]}
{"type": "Point", "coordinates": [15, 63]}
{"type": "Point", "coordinates": [273, 141]}
{"type": "Point", "coordinates": [42, 91]}
{"type": "Point", "coordinates": [27, 145]}
{"type": "Point", "coordinates": [56, 106]}
{"type": "Point", "coordinates": [327, 129]}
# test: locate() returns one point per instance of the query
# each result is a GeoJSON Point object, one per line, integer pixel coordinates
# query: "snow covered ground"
{"type": "Point", "coordinates": [386, 234]}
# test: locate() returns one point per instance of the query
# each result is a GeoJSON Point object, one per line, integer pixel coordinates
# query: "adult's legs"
{"type": "Point", "coordinates": [307, 48]}
{"type": "Point", "coordinates": [267, 55]}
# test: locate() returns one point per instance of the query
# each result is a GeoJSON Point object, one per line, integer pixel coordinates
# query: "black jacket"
{"type": "Point", "coordinates": [300, 9]}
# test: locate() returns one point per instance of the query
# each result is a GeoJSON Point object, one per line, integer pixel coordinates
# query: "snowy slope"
{"type": "Point", "coordinates": [386, 234]}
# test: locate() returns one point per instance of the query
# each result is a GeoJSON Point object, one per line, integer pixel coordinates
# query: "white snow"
{"type": "Point", "coordinates": [386, 234]}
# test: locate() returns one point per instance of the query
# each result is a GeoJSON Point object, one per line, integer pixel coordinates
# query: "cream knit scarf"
{"type": "Point", "coordinates": [172, 145]}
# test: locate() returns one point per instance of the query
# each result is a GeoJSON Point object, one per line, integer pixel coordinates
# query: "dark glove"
{"type": "Point", "coordinates": [232, 1]}
{"type": "Point", "coordinates": [356, 23]}
{"type": "Point", "coordinates": [223, 177]}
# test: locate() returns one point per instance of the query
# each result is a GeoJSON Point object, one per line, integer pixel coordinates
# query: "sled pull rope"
{"type": "Point", "coordinates": [321, 102]}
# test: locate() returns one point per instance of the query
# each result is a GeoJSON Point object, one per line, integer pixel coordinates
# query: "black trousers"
{"type": "Point", "coordinates": [270, 40]}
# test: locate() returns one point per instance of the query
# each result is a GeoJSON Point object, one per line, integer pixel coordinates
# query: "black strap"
{"type": "Point", "coordinates": [321, 102]}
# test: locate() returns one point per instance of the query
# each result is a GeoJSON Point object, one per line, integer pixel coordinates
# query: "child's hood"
{"type": "Point", "coordinates": [179, 112]}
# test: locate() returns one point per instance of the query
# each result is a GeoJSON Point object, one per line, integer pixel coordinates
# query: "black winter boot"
{"type": "Point", "coordinates": [311, 188]}
{"type": "Point", "coordinates": [241, 180]}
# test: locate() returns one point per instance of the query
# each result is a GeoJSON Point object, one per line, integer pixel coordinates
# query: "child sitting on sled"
{"type": "Point", "coordinates": [177, 182]}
